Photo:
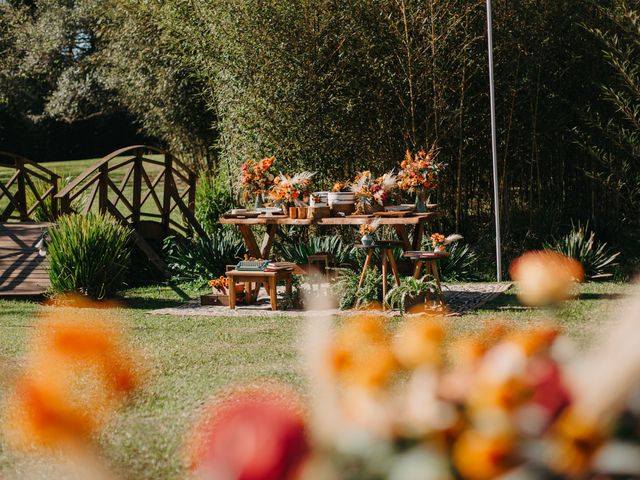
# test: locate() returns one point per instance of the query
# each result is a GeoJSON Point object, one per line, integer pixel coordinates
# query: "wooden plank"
{"type": "Point", "coordinates": [267, 241]}
{"type": "Point", "coordinates": [415, 220]}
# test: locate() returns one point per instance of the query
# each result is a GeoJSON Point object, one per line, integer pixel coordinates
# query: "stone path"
{"type": "Point", "coordinates": [459, 298]}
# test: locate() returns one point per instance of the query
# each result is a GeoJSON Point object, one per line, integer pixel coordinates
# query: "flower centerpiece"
{"type": "Point", "coordinates": [367, 230]}
{"type": "Point", "coordinates": [419, 174]}
{"type": "Point", "coordinates": [256, 179]}
{"type": "Point", "coordinates": [439, 241]}
{"type": "Point", "coordinates": [372, 193]}
{"type": "Point", "coordinates": [287, 191]}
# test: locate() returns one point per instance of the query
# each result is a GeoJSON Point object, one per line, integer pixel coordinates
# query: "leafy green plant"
{"type": "Point", "coordinates": [346, 288]}
{"type": "Point", "coordinates": [596, 257]}
{"type": "Point", "coordinates": [200, 259]}
{"type": "Point", "coordinates": [88, 254]}
{"type": "Point", "coordinates": [213, 198]}
{"type": "Point", "coordinates": [408, 292]}
{"type": "Point", "coordinates": [461, 266]}
{"type": "Point", "coordinates": [292, 250]}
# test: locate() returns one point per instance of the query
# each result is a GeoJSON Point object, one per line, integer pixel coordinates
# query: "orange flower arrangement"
{"type": "Point", "coordinates": [369, 190]}
{"type": "Point", "coordinates": [420, 172]}
{"type": "Point", "coordinates": [256, 176]}
{"type": "Point", "coordinates": [287, 190]}
{"type": "Point", "coordinates": [221, 284]}
{"type": "Point", "coordinates": [437, 240]}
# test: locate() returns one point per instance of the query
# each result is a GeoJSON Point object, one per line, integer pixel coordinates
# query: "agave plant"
{"type": "Point", "coordinates": [88, 254]}
{"type": "Point", "coordinates": [409, 291]}
{"type": "Point", "coordinates": [596, 257]}
{"type": "Point", "coordinates": [200, 259]}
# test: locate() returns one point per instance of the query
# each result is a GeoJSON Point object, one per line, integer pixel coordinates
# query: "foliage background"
{"type": "Point", "coordinates": [341, 85]}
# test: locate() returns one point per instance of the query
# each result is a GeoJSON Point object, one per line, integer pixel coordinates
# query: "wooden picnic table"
{"type": "Point", "coordinates": [401, 226]}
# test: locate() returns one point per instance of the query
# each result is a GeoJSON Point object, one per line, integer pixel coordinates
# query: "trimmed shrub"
{"type": "Point", "coordinates": [88, 254]}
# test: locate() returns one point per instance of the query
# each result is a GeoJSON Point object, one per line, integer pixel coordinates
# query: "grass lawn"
{"type": "Point", "coordinates": [192, 358]}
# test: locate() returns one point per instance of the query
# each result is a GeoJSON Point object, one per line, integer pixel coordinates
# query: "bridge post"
{"type": "Point", "coordinates": [54, 200]}
{"type": "Point", "coordinates": [103, 188]}
{"type": "Point", "coordinates": [21, 194]}
{"type": "Point", "coordinates": [137, 188]}
{"type": "Point", "coordinates": [167, 194]}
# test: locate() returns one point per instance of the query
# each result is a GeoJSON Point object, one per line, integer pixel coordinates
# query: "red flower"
{"type": "Point", "coordinates": [252, 435]}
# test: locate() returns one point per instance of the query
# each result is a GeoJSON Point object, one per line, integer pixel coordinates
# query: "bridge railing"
{"type": "Point", "coordinates": [135, 187]}
{"type": "Point", "coordinates": [28, 192]}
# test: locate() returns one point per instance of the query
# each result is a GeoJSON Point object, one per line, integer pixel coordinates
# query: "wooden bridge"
{"type": "Point", "coordinates": [145, 188]}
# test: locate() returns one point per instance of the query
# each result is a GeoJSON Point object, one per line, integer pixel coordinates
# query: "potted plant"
{"type": "Point", "coordinates": [256, 178]}
{"type": "Point", "coordinates": [419, 174]}
{"type": "Point", "coordinates": [411, 291]}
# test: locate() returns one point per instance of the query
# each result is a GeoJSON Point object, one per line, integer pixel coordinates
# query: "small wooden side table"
{"type": "Point", "coordinates": [386, 249]}
{"type": "Point", "coordinates": [430, 262]}
{"type": "Point", "coordinates": [269, 279]}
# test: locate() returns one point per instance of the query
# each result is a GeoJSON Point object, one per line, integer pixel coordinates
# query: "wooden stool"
{"type": "Point", "coordinates": [322, 259]}
{"type": "Point", "coordinates": [386, 248]}
{"type": "Point", "coordinates": [269, 279]}
{"type": "Point", "coordinates": [430, 261]}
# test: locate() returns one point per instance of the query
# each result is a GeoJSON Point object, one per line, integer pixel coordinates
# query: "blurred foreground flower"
{"type": "Point", "coordinates": [545, 277]}
{"type": "Point", "coordinates": [78, 370]}
{"type": "Point", "coordinates": [255, 434]}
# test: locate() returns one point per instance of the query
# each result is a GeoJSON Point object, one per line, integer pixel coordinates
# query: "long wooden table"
{"type": "Point", "coordinates": [401, 226]}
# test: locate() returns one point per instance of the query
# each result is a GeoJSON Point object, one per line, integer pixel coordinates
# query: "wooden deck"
{"type": "Point", "coordinates": [22, 271]}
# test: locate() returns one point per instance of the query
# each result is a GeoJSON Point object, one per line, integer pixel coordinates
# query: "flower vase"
{"type": "Point", "coordinates": [259, 201]}
{"type": "Point", "coordinates": [420, 204]}
{"type": "Point", "coordinates": [367, 240]}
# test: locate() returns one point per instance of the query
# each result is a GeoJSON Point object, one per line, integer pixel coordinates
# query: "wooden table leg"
{"type": "Point", "coordinates": [403, 236]}
{"type": "Point", "coordinates": [288, 285]}
{"type": "Point", "coordinates": [436, 275]}
{"type": "Point", "coordinates": [248, 293]}
{"type": "Point", "coordinates": [418, 269]}
{"type": "Point", "coordinates": [394, 267]}
{"type": "Point", "coordinates": [250, 241]}
{"type": "Point", "coordinates": [418, 233]}
{"type": "Point", "coordinates": [267, 241]}
{"type": "Point", "coordinates": [363, 275]}
{"type": "Point", "coordinates": [384, 276]}
{"type": "Point", "coordinates": [232, 292]}
{"type": "Point", "coordinates": [273, 293]}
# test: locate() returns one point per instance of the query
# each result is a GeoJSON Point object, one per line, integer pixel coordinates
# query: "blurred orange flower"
{"type": "Point", "coordinates": [77, 372]}
{"type": "Point", "coordinates": [419, 343]}
{"type": "Point", "coordinates": [545, 277]}
{"type": "Point", "coordinates": [478, 456]}
{"type": "Point", "coordinates": [361, 352]}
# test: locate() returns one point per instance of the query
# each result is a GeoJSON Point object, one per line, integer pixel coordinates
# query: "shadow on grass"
{"type": "Point", "coordinates": [604, 296]}
{"type": "Point", "coordinates": [505, 301]}
{"type": "Point", "coordinates": [156, 298]}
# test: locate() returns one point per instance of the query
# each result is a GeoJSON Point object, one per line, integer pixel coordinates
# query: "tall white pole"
{"type": "Point", "coordinates": [494, 145]}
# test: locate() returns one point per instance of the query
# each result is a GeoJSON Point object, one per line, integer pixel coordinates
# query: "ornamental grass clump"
{"type": "Point", "coordinates": [88, 254]}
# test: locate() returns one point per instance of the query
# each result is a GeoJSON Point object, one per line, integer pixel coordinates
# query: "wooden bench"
{"type": "Point", "coordinates": [268, 279]}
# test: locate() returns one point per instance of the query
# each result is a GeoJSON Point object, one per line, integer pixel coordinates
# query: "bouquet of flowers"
{"type": "Point", "coordinates": [221, 284]}
{"type": "Point", "coordinates": [340, 187]}
{"type": "Point", "coordinates": [256, 177]}
{"type": "Point", "coordinates": [372, 192]}
{"type": "Point", "coordinates": [287, 190]}
{"type": "Point", "coordinates": [419, 173]}
{"type": "Point", "coordinates": [439, 241]}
